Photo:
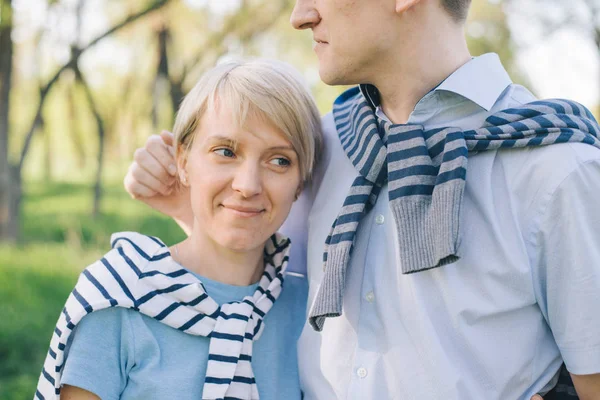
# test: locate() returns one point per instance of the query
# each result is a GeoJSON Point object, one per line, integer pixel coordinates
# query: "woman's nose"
{"type": "Point", "coordinates": [305, 15]}
{"type": "Point", "coordinates": [247, 180]}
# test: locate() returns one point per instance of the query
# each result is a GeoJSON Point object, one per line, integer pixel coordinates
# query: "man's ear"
{"type": "Point", "coordinates": [404, 5]}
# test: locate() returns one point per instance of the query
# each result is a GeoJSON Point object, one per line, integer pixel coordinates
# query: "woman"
{"type": "Point", "coordinates": [206, 318]}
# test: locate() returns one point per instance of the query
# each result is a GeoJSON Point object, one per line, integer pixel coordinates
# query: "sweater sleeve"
{"type": "Point", "coordinates": [100, 354]}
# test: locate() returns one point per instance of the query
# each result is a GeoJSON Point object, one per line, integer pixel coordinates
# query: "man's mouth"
{"type": "Point", "coordinates": [319, 44]}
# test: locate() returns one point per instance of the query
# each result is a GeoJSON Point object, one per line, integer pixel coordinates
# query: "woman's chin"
{"type": "Point", "coordinates": [243, 242]}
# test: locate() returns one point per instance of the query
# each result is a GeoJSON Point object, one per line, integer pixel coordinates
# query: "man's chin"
{"type": "Point", "coordinates": [334, 77]}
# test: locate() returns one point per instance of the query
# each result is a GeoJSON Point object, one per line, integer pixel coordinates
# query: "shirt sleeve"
{"type": "Point", "coordinates": [100, 354]}
{"type": "Point", "coordinates": [296, 225]}
{"type": "Point", "coordinates": [568, 267]}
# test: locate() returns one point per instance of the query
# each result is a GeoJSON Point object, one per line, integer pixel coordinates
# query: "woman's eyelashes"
{"type": "Point", "coordinates": [277, 161]}
{"type": "Point", "coordinates": [281, 162]}
{"type": "Point", "coordinates": [224, 152]}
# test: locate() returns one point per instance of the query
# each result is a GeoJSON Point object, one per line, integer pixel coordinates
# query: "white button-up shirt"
{"type": "Point", "coordinates": [496, 324]}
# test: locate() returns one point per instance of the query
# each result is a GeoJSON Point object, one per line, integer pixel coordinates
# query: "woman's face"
{"type": "Point", "coordinates": [243, 180]}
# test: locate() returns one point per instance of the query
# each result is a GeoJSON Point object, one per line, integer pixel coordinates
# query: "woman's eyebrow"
{"type": "Point", "coordinates": [285, 147]}
{"type": "Point", "coordinates": [224, 139]}
{"type": "Point", "coordinates": [235, 144]}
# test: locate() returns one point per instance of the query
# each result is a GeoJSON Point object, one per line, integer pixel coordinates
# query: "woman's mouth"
{"type": "Point", "coordinates": [243, 211]}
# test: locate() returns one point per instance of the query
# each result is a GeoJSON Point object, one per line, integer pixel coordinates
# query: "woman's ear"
{"type": "Point", "coordinates": [183, 178]}
{"type": "Point", "coordinates": [181, 167]}
{"type": "Point", "coordinates": [404, 5]}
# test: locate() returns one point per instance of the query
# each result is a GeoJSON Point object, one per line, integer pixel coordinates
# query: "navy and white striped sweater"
{"type": "Point", "coordinates": [425, 171]}
{"type": "Point", "coordinates": [137, 274]}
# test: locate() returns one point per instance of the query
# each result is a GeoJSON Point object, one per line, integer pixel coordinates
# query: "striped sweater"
{"type": "Point", "coordinates": [425, 171]}
{"type": "Point", "coordinates": [138, 274]}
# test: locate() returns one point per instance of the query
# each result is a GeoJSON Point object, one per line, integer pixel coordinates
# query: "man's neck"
{"type": "Point", "coordinates": [411, 76]}
{"type": "Point", "coordinates": [203, 256]}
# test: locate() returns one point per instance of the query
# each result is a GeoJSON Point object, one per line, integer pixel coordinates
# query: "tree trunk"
{"type": "Point", "coordinates": [9, 227]}
{"type": "Point", "coordinates": [101, 141]}
{"type": "Point", "coordinates": [74, 130]}
{"type": "Point", "coordinates": [48, 149]}
{"type": "Point", "coordinates": [161, 82]}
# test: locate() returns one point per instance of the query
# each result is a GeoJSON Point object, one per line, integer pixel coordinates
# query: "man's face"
{"type": "Point", "coordinates": [353, 37]}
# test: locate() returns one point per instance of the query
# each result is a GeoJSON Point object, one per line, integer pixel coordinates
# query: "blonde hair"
{"type": "Point", "coordinates": [266, 88]}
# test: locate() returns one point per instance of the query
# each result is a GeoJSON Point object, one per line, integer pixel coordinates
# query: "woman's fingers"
{"type": "Point", "coordinates": [169, 140]}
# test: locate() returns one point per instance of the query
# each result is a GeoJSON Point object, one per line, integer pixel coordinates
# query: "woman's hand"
{"type": "Point", "coordinates": [152, 176]}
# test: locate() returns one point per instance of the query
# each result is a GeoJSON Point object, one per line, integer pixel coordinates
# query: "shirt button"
{"type": "Point", "coordinates": [380, 219]}
{"type": "Point", "coordinates": [370, 297]}
{"type": "Point", "coordinates": [361, 372]}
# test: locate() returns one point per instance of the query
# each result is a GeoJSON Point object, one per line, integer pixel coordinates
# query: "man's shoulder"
{"type": "Point", "coordinates": [542, 165]}
{"type": "Point", "coordinates": [533, 174]}
{"type": "Point", "coordinates": [330, 143]}
{"type": "Point", "coordinates": [328, 126]}
{"type": "Point", "coordinates": [553, 164]}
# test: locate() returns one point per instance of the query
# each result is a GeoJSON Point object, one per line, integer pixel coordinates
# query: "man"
{"type": "Point", "coordinates": [495, 317]}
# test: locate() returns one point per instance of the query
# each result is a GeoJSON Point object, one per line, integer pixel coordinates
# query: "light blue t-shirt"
{"type": "Point", "coordinates": [119, 353]}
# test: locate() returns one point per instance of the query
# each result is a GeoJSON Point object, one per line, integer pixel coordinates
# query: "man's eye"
{"type": "Point", "coordinates": [225, 152]}
{"type": "Point", "coordinates": [281, 162]}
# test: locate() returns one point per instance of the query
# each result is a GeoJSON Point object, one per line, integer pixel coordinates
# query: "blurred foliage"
{"type": "Point", "coordinates": [34, 282]}
{"type": "Point", "coordinates": [37, 276]}
{"type": "Point", "coordinates": [487, 31]}
{"type": "Point", "coordinates": [135, 101]}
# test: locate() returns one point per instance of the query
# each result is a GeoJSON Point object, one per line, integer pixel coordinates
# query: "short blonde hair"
{"type": "Point", "coordinates": [270, 89]}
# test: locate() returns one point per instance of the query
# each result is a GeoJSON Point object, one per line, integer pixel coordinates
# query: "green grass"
{"type": "Point", "coordinates": [61, 213]}
{"type": "Point", "coordinates": [60, 239]}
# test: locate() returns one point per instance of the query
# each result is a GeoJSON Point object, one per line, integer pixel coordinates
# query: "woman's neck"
{"type": "Point", "coordinates": [203, 256]}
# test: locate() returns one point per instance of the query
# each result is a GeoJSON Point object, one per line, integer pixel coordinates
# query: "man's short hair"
{"type": "Point", "coordinates": [458, 9]}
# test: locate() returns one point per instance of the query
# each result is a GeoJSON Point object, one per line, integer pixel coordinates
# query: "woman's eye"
{"type": "Point", "coordinates": [225, 152]}
{"type": "Point", "coordinates": [281, 162]}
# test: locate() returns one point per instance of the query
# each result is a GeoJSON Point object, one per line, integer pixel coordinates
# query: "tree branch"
{"type": "Point", "coordinates": [76, 53]}
{"type": "Point", "coordinates": [247, 33]}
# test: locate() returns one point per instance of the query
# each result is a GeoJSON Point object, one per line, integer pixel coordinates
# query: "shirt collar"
{"type": "Point", "coordinates": [481, 80]}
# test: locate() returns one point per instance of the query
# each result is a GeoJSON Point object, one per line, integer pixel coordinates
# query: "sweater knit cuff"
{"type": "Point", "coordinates": [428, 227]}
{"type": "Point", "coordinates": [329, 299]}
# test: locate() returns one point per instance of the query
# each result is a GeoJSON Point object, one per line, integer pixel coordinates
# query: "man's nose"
{"type": "Point", "coordinates": [248, 180]}
{"type": "Point", "coordinates": [305, 15]}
